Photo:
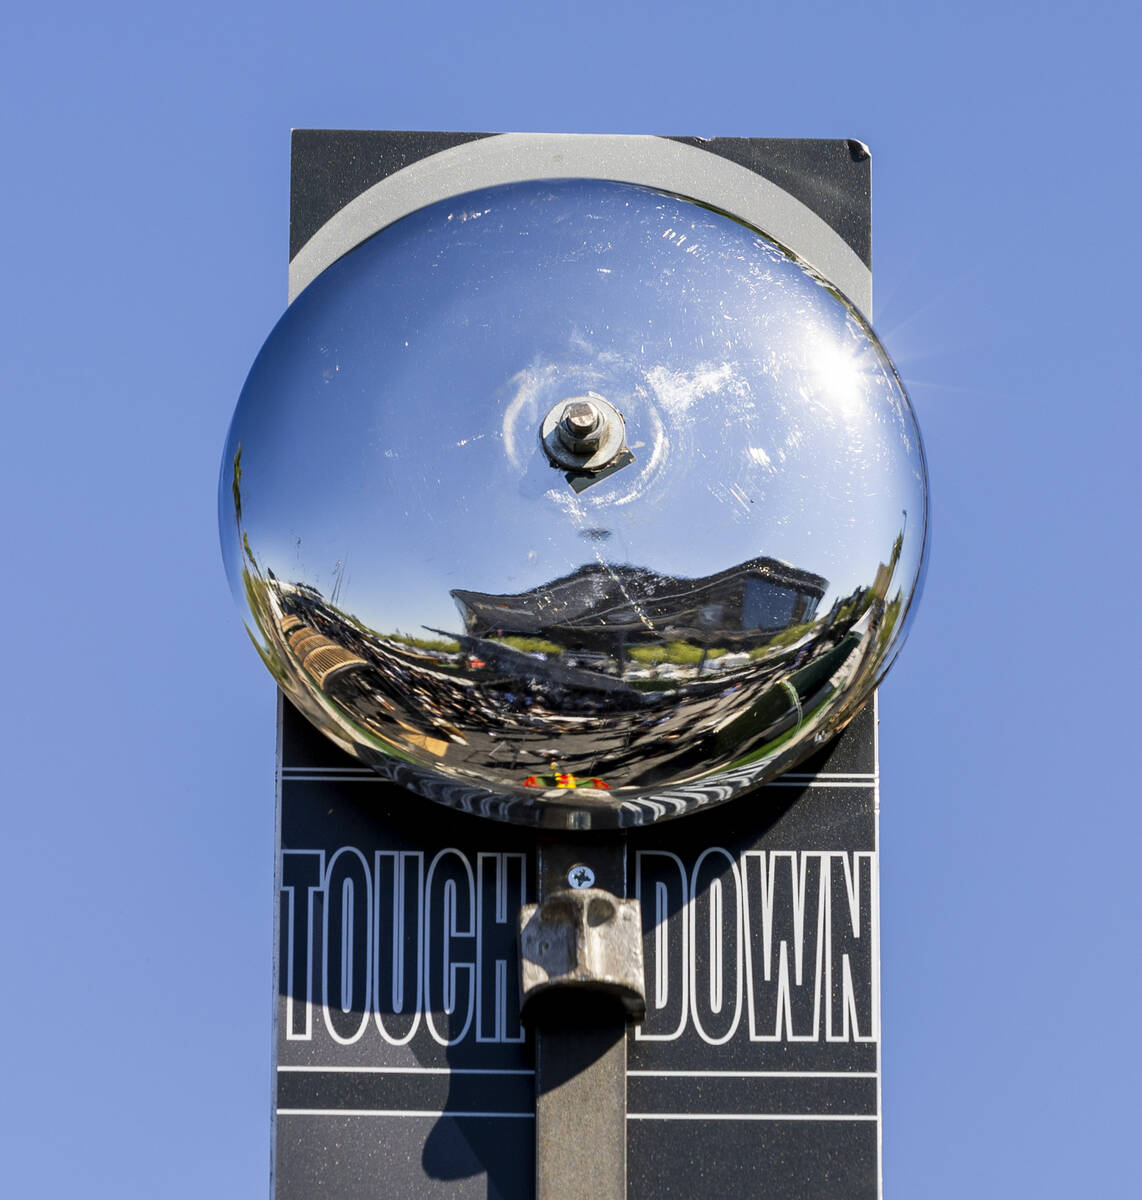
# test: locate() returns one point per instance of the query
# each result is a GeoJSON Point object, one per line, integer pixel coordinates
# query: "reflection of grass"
{"type": "Point", "coordinates": [793, 634]}
{"type": "Point", "coordinates": [257, 599]}
{"type": "Point", "coordinates": [422, 643]}
{"type": "Point", "coordinates": [680, 654]}
{"type": "Point", "coordinates": [530, 645]}
{"type": "Point", "coordinates": [273, 664]}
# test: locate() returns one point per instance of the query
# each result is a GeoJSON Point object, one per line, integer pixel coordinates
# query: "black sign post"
{"type": "Point", "coordinates": [403, 1067]}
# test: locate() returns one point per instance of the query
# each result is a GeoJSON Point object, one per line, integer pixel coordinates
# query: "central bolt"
{"type": "Point", "coordinates": [580, 420]}
{"type": "Point", "coordinates": [584, 434]}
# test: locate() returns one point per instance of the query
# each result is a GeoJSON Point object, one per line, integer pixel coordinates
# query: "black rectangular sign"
{"type": "Point", "coordinates": [402, 1067]}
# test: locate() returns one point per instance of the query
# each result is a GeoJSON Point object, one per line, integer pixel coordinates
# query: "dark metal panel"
{"type": "Point", "coordinates": [832, 176]}
{"type": "Point", "coordinates": [331, 167]}
{"type": "Point", "coordinates": [788, 1097]}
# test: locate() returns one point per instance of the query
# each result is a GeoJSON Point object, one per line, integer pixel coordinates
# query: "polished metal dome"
{"type": "Point", "coordinates": [575, 504]}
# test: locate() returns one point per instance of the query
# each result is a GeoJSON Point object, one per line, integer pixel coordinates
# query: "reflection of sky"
{"type": "Point", "coordinates": [389, 426]}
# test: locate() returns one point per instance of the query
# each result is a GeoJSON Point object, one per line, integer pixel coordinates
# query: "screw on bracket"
{"type": "Point", "coordinates": [581, 876]}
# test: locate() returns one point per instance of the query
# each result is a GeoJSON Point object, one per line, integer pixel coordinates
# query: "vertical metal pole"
{"type": "Point", "coordinates": [580, 1112]}
{"type": "Point", "coordinates": [581, 1058]}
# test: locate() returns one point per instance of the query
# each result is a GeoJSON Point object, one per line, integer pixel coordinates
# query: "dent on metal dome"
{"type": "Point", "coordinates": [583, 647]}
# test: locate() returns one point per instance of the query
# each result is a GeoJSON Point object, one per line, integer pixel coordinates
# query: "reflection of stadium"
{"type": "Point", "coordinates": [597, 607]}
{"type": "Point", "coordinates": [483, 705]}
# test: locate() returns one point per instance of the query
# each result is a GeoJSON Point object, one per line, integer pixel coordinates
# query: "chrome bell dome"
{"type": "Point", "coordinates": [574, 503]}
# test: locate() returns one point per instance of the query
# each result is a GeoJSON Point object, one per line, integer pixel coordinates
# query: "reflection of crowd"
{"type": "Point", "coordinates": [487, 705]}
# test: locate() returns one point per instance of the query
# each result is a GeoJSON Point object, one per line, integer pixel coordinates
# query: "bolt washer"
{"type": "Point", "coordinates": [610, 433]}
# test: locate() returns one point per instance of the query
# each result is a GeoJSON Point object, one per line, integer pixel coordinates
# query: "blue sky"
{"type": "Point", "coordinates": [144, 211]}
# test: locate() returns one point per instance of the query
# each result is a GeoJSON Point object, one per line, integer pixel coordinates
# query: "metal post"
{"type": "Point", "coordinates": [579, 1019]}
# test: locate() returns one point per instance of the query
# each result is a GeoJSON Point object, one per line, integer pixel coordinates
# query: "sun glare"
{"type": "Point", "coordinates": [838, 373]}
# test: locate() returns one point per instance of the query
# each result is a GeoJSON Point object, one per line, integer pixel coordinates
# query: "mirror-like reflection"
{"type": "Point", "coordinates": [472, 620]}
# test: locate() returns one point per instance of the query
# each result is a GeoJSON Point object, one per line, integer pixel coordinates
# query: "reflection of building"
{"type": "Point", "coordinates": [320, 657]}
{"type": "Point", "coordinates": [484, 706]}
{"type": "Point", "coordinates": [596, 606]}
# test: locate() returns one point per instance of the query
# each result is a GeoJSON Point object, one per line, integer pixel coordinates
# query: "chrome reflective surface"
{"type": "Point", "coordinates": [501, 634]}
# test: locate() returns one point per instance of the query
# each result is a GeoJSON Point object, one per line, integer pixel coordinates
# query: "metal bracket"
{"type": "Point", "coordinates": [583, 940]}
